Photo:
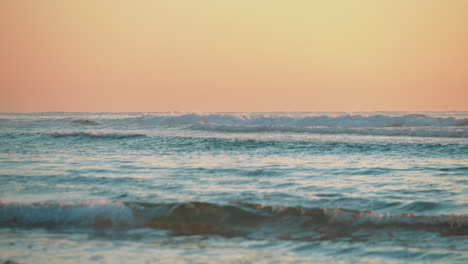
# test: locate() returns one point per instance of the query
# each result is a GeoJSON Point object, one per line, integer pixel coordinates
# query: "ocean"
{"type": "Point", "coordinates": [294, 187]}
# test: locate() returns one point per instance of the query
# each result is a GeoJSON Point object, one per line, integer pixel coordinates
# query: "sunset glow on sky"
{"type": "Point", "coordinates": [244, 55]}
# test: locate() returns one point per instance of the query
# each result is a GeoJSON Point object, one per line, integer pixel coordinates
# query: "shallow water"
{"type": "Point", "coordinates": [375, 187]}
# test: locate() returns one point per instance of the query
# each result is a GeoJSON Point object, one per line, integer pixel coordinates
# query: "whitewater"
{"type": "Point", "coordinates": [280, 187]}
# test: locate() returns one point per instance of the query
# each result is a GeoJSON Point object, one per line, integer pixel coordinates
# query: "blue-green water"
{"type": "Point", "coordinates": [374, 187]}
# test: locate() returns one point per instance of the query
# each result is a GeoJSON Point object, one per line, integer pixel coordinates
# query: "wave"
{"type": "Point", "coordinates": [94, 134]}
{"type": "Point", "coordinates": [308, 120]}
{"type": "Point", "coordinates": [84, 122]}
{"type": "Point", "coordinates": [234, 219]}
{"type": "Point", "coordinates": [382, 131]}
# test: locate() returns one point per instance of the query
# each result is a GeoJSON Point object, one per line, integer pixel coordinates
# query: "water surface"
{"type": "Point", "coordinates": [379, 187]}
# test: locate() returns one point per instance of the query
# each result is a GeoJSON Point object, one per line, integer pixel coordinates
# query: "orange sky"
{"type": "Point", "coordinates": [243, 55]}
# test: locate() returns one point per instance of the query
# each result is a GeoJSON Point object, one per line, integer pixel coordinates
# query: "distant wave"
{"type": "Point", "coordinates": [235, 219]}
{"type": "Point", "coordinates": [372, 120]}
{"type": "Point", "coordinates": [308, 120]}
{"type": "Point", "coordinates": [381, 131]}
{"type": "Point", "coordinates": [84, 122]}
{"type": "Point", "coordinates": [94, 134]}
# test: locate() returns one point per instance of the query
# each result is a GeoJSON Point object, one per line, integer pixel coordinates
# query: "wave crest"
{"type": "Point", "coordinates": [383, 131]}
{"type": "Point", "coordinates": [308, 120]}
{"type": "Point", "coordinates": [235, 219]}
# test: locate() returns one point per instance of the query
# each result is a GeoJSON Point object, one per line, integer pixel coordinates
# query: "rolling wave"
{"type": "Point", "coordinates": [380, 131]}
{"type": "Point", "coordinates": [309, 120]}
{"type": "Point", "coordinates": [234, 219]}
{"type": "Point", "coordinates": [94, 134]}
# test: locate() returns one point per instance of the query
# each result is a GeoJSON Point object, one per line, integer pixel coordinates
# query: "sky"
{"type": "Point", "coordinates": [243, 55]}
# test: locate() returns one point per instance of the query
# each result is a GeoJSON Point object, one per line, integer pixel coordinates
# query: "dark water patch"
{"type": "Point", "coordinates": [363, 171]}
{"type": "Point", "coordinates": [12, 262]}
{"type": "Point", "coordinates": [456, 169]}
{"type": "Point", "coordinates": [134, 167]}
{"type": "Point", "coordinates": [329, 195]}
{"type": "Point", "coordinates": [262, 172]}
{"type": "Point", "coordinates": [371, 171]}
{"type": "Point", "coordinates": [382, 206]}
{"type": "Point", "coordinates": [310, 188]}
{"type": "Point", "coordinates": [242, 172]}
{"type": "Point", "coordinates": [95, 135]}
{"type": "Point", "coordinates": [95, 171]}
{"type": "Point", "coordinates": [421, 206]}
{"type": "Point", "coordinates": [418, 115]}
{"type": "Point", "coordinates": [84, 122]}
{"type": "Point", "coordinates": [461, 181]}
{"type": "Point", "coordinates": [225, 144]}
{"type": "Point", "coordinates": [284, 185]}
{"type": "Point", "coordinates": [433, 192]}
{"type": "Point", "coordinates": [383, 170]}
{"type": "Point", "coordinates": [235, 182]}
{"type": "Point", "coordinates": [219, 171]}
{"type": "Point", "coordinates": [465, 123]}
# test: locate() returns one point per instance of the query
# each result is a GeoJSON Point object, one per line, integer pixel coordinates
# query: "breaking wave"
{"type": "Point", "coordinates": [234, 219]}
{"type": "Point", "coordinates": [308, 120]}
{"type": "Point", "coordinates": [380, 131]}
{"type": "Point", "coordinates": [94, 134]}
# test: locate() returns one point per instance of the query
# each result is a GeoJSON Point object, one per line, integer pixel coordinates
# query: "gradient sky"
{"type": "Point", "coordinates": [243, 55]}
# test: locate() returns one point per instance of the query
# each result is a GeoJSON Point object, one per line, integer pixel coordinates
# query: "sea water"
{"type": "Point", "coordinates": [374, 187]}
